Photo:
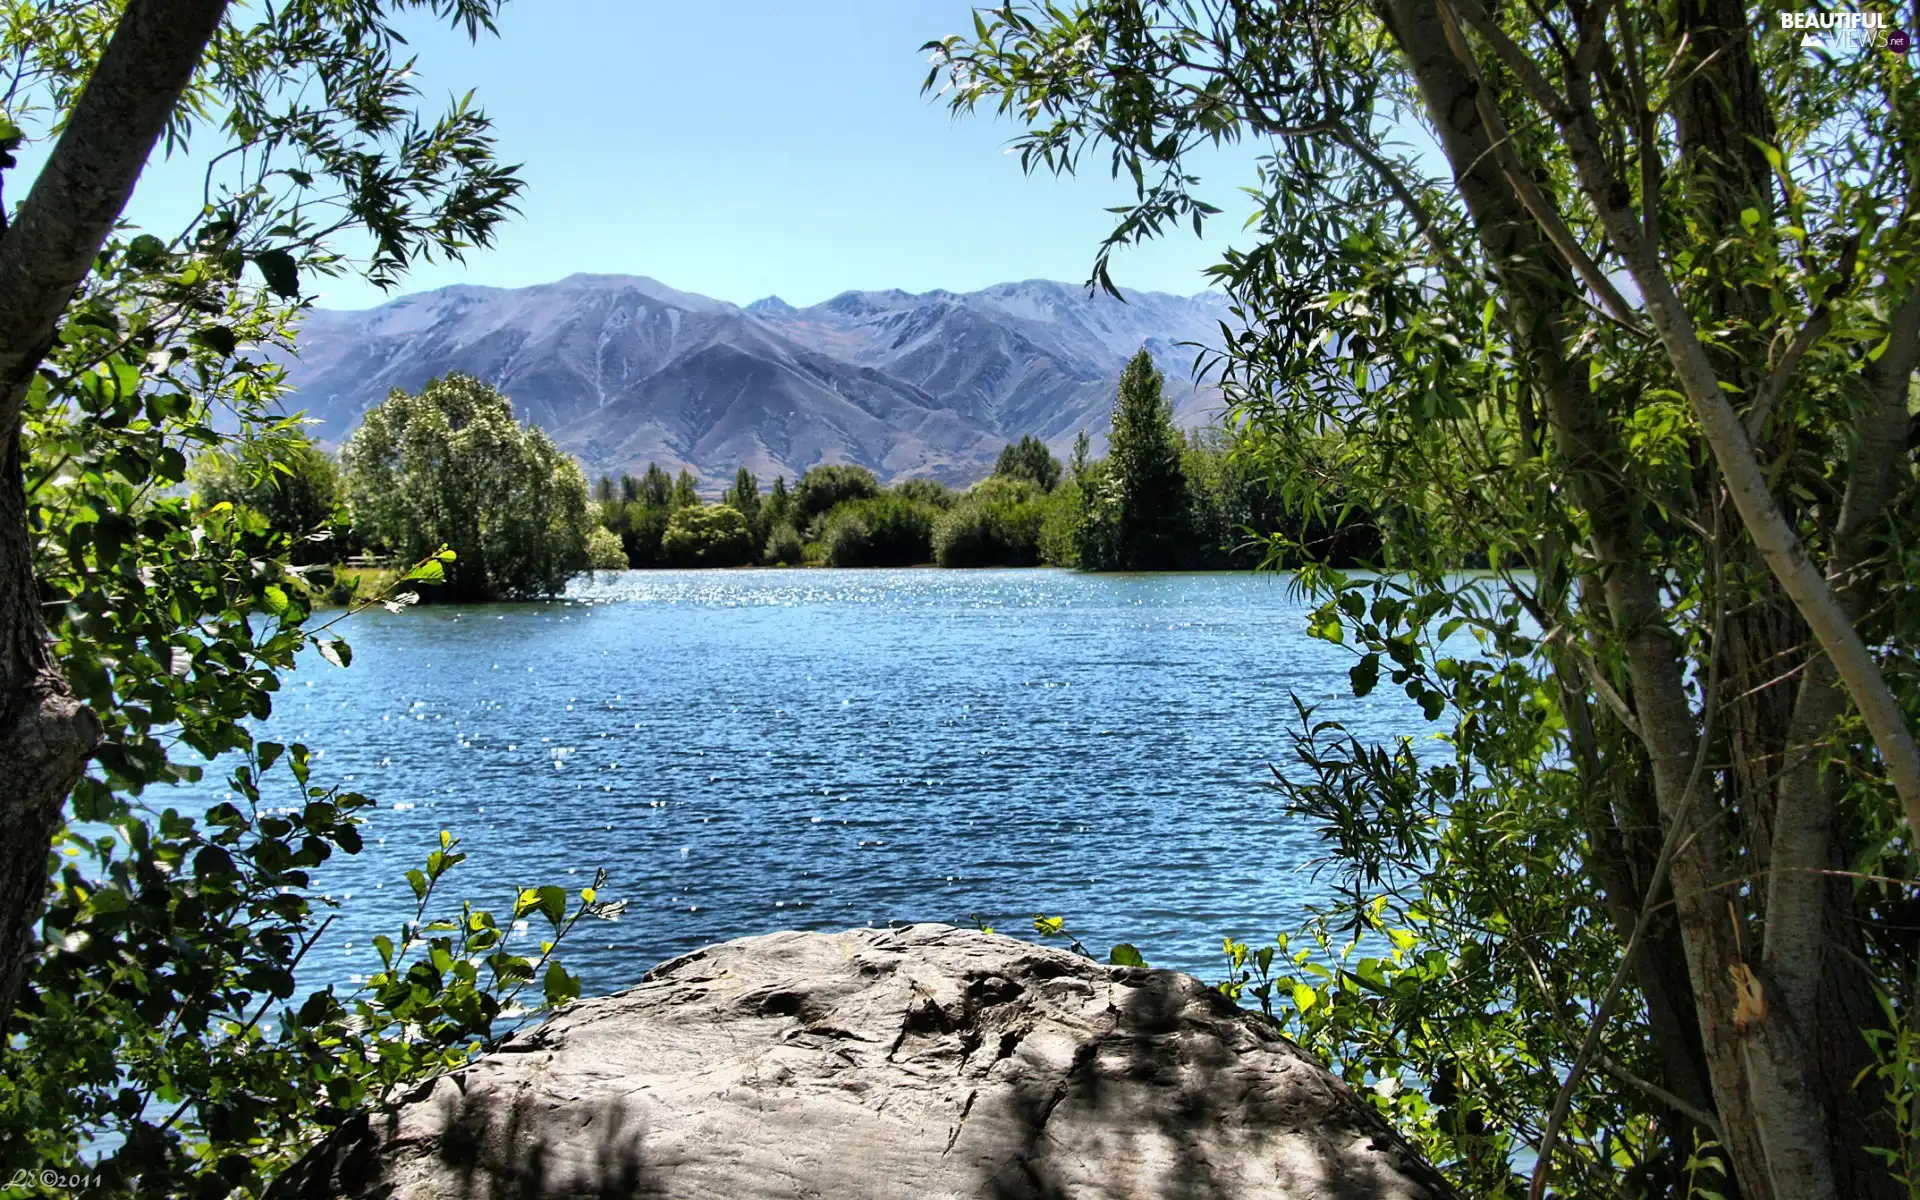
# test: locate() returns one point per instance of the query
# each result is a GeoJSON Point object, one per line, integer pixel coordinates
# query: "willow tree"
{"type": "Point", "coordinates": [1648, 342]}
{"type": "Point", "coordinates": [449, 466]}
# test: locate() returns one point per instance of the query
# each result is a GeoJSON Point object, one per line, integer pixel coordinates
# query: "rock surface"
{"type": "Point", "coordinates": [920, 1063]}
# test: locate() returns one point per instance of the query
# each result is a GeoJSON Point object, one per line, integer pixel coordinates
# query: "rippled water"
{"type": "Point", "coordinates": [748, 751]}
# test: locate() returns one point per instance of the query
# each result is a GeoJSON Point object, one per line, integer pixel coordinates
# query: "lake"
{"type": "Point", "coordinates": [749, 751]}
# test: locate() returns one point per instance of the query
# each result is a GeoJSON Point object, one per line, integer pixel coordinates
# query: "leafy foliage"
{"type": "Point", "coordinates": [287, 479]}
{"type": "Point", "coordinates": [164, 1015]}
{"type": "Point", "coordinates": [604, 551]}
{"type": "Point", "coordinates": [157, 1044]}
{"type": "Point", "coordinates": [1029, 459]}
{"type": "Point", "coordinates": [825, 488]}
{"type": "Point", "coordinates": [707, 535]}
{"type": "Point", "coordinates": [883, 531]}
{"type": "Point", "coordinates": [450, 466]}
{"type": "Point", "coordinates": [996, 524]}
{"type": "Point", "coordinates": [744, 498]}
{"type": "Point", "coordinates": [1569, 930]}
{"type": "Point", "coordinates": [930, 492]}
{"type": "Point", "coordinates": [784, 547]}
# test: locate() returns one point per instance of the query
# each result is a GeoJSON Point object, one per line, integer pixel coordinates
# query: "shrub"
{"type": "Point", "coordinates": [926, 491]}
{"type": "Point", "coordinates": [824, 489]}
{"type": "Point", "coordinates": [1060, 516]}
{"type": "Point", "coordinates": [783, 547]}
{"type": "Point", "coordinates": [997, 524]}
{"type": "Point", "coordinates": [885, 531]}
{"type": "Point", "coordinates": [710, 535]}
{"type": "Point", "coordinates": [604, 551]}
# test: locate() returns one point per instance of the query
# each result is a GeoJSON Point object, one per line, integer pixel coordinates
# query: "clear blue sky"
{"type": "Point", "coordinates": [738, 148]}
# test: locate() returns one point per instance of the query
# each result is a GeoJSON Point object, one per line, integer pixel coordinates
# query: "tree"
{"type": "Point", "coordinates": [288, 480]}
{"type": "Point", "coordinates": [154, 1044]}
{"type": "Point", "coordinates": [744, 497]}
{"type": "Point", "coordinates": [1029, 459]}
{"type": "Point", "coordinates": [642, 527]}
{"type": "Point", "coordinates": [996, 524]}
{"type": "Point", "coordinates": [656, 488]}
{"type": "Point", "coordinates": [685, 492]}
{"type": "Point", "coordinates": [925, 491]}
{"type": "Point", "coordinates": [707, 535]}
{"type": "Point", "coordinates": [783, 547]}
{"type": "Point", "coordinates": [1651, 345]}
{"type": "Point", "coordinates": [449, 466]}
{"type": "Point", "coordinates": [1082, 451]}
{"type": "Point", "coordinates": [1060, 518]}
{"type": "Point", "coordinates": [1137, 506]}
{"type": "Point", "coordinates": [779, 506]}
{"type": "Point", "coordinates": [880, 531]}
{"type": "Point", "coordinates": [101, 86]}
{"type": "Point", "coordinates": [604, 551]}
{"type": "Point", "coordinates": [825, 488]}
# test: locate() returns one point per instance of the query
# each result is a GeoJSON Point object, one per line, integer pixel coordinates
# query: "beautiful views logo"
{"type": "Point", "coordinates": [1839, 32]}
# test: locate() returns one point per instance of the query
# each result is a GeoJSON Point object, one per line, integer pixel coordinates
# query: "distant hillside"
{"type": "Point", "coordinates": [625, 371]}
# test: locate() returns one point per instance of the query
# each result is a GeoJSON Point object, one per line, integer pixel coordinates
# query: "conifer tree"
{"type": "Point", "coordinates": [685, 493]}
{"type": "Point", "coordinates": [1029, 459]}
{"type": "Point", "coordinates": [656, 490]}
{"type": "Point", "coordinates": [1137, 518]}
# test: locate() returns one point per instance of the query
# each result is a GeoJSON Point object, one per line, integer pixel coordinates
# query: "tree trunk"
{"type": "Point", "coordinates": [1544, 311]}
{"type": "Point", "coordinates": [45, 254]}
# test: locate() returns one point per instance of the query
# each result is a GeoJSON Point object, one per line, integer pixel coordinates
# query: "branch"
{"type": "Point", "coordinates": [86, 182]}
{"type": "Point", "coordinates": [1816, 328]}
{"type": "Point", "coordinates": [1779, 545]}
{"type": "Point", "coordinates": [1669, 847]}
{"type": "Point", "coordinates": [1776, 384]}
{"type": "Point", "coordinates": [1536, 204]}
{"type": "Point", "coordinates": [1699, 1116]}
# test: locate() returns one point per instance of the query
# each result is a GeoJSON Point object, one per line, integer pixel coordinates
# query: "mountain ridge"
{"type": "Point", "coordinates": [624, 370]}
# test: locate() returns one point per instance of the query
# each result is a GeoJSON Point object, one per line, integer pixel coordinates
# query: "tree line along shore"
{"type": "Point", "coordinates": [450, 468]}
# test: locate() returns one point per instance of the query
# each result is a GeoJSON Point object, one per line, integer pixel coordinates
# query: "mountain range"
{"type": "Point", "coordinates": [623, 370]}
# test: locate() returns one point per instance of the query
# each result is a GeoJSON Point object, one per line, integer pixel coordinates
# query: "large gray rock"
{"type": "Point", "coordinates": [912, 1064]}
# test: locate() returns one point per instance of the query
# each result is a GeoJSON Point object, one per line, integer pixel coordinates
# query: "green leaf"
{"type": "Point", "coordinates": [553, 902]}
{"type": "Point", "coordinates": [560, 986]}
{"type": "Point", "coordinates": [1304, 997]}
{"type": "Point", "coordinates": [217, 338]}
{"type": "Point", "coordinates": [1365, 674]}
{"type": "Point", "coordinates": [280, 271]}
{"type": "Point", "coordinates": [335, 651]}
{"type": "Point", "coordinates": [1126, 955]}
{"type": "Point", "coordinates": [429, 571]}
{"type": "Point", "coordinates": [1048, 926]}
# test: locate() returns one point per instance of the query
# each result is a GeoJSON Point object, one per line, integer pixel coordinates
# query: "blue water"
{"type": "Point", "coordinates": [749, 751]}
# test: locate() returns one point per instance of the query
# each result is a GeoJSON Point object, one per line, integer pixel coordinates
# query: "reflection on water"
{"type": "Point", "coordinates": [747, 751]}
